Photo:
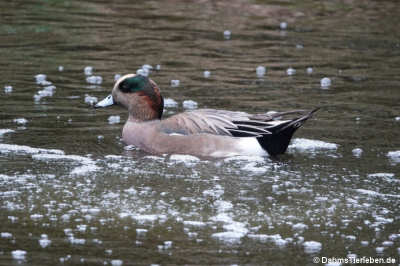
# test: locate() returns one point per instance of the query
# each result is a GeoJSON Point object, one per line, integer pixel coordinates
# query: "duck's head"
{"type": "Point", "coordinates": [139, 94]}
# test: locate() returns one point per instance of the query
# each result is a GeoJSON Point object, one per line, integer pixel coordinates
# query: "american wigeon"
{"type": "Point", "coordinates": [202, 132]}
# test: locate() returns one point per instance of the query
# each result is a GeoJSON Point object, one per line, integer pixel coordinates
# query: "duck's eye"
{"type": "Point", "coordinates": [125, 86]}
{"type": "Point", "coordinates": [132, 84]}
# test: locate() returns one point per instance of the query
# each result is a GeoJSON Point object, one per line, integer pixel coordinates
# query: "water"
{"type": "Point", "coordinates": [72, 193]}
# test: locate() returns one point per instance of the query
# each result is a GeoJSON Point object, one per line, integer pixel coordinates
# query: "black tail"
{"type": "Point", "coordinates": [277, 142]}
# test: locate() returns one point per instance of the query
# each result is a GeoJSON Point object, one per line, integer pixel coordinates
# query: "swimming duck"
{"type": "Point", "coordinates": [201, 132]}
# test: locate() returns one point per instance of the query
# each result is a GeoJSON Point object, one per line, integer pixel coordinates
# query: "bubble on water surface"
{"type": "Point", "coordinates": [114, 119]}
{"type": "Point", "coordinates": [117, 262]}
{"type": "Point", "coordinates": [227, 34]}
{"type": "Point", "coordinates": [175, 83]}
{"type": "Point", "coordinates": [5, 235]}
{"type": "Point", "coordinates": [170, 103]}
{"type": "Point", "coordinates": [357, 152]}
{"type": "Point", "coordinates": [117, 77]}
{"type": "Point", "coordinates": [311, 247]}
{"type": "Point", "coordinates": [309, 70]}
{"type": "Point", "coordinates": [206, 74]}
{"type": "Point", "coordinates": [291, 71]}
{"type": "Point", "coordinates": [88, 70]}
{"type": "Point", "coordinates": [60, 68]}
{"type": "Point", "coordinates": [18, 254]}
{"type": "Point", "coordinates": [90, 99]}
{"type": "Point", "coordinates": [283, 25]}
{"type": "Point", "coordinates": [20, 121]}
{"type": "Point", "coordinates": [8, 89]}
{"type": "Point", "coordinates": [260, 71]}
{"type": "Point", "coordinates": [394, 156]}
{"type": "Point", "coordinates": [189, 104]}
{"type": "Point", "coordinates": [309, 145]}
{"type": "Point", "coordinates": [94, 79]}
{"type": "Point", "coordinates": [325, 83]}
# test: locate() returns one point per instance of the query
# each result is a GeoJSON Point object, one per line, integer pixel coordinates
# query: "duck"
{"type": "Point", "coordinates": [199, 132]}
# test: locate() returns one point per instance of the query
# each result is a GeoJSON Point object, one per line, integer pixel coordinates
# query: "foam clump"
{"type": "Point", "coordinates": [189, 104]}
{"type": "Point", "coordinates": [260, 71]}
{"type": "Point", "coordinates": [94, 79]}
{"type": "Point", "coordinates": [40, 78]}
{"type": "Point", "coordinates": [397, 118]}
{"type": "Point", "coordinates": [117, 77]}
{"type": "Point", "coordinates": [206, 74]}
{"type": "Point", "coordinates": [44, 241]}
{"type": "Point", "coordinates": [5, 235]}
{"type": "Point", "coordinates": [311, 145]}
{"type": "Point", "coordinates": [18, 254]}
{"type": "Point", "coordinates": [182, 158]}
{"type": "Point", "coordinates": [325, 83]}
{"type": "Point", "coordinates": [88, 70]}
{"type": "Point", "coordinates": [168, 102]}
{"type": "Point", "coordinates": [117, 262]}
{"type": "Point", "coordinates": [283, 25]}
{"type": "Point", "coordinates": [227, 34]}
{"type": "Point", "coordinates": [143, 72]}
{"type": "Point", "coordinates": [175, 83]}
{"type": "Point", "coordinates": [60, 68]}
{"type": "Point", "coordinates": [228, 237]}
{"type": "Point", "coordinates": [291, 71]}
{"type": "Point", "coordinates": [20, 121]}
{"type": "Point", "coordinates": [309, 70]}
{"type": "Point", "coordinates": [6, 148]}
{"type": "Point", "coordinates": [90, 99]}
{"type": "Point", "coordinates": [394, 156]}
{"type": "Point", "coordinates": [48, 91]}
{"type": "Point", "coordinates": [311, 247]}
{"type": "Point", "coordinates": [357, 152]}
{"type": "Point", "coordinates": [5, 131]}
{"type": "Point", "coordinates": [8, 89]}
{"type": "Point", "coordinates": [158, 67]}
{"type": "Point", "coordinates": [114, 119]}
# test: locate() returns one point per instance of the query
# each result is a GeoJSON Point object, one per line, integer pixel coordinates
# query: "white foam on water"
{"type": "Point", "coordinates": [170, 103]}
{"type": "Point", "coordinates": [21, 149]}
{"type": "Point", "coordinates": [291, 71]}
{"type": "Point", "coordinates": [325, 82]}
{"type": "Point", "coordinates": [264, 238]}
{"type": "Point", "coordinates": [44, 242]}
{"type": "Point", "coordinates": [260, 71]}
{"type": "Point", "coordinates": [376, 194]}
{"type": "Point", "coordinates": [397, 118]}
{"type": "Point", "coordinates": [60, 68]}
{"type": "Point", "coordinates": [90, 99]}
{"type": "Point", "coordinates": [40, 78]}
{"type": "Point", "coordinates": [94, 79]}
{"type": "Point", "coordinates": [8, 89]}
{"type": "Point", "coordinates": [188, 160]}
{"type": "Point", "coordinates": [206, 74]}
{"type": "Point", "coordinates": [5, 131]}
{"type": "Point", "coordinates": [382, 175]}
{"type": "Point", "coordinates": [309, 70]}
{"type": "Point", "coordinates": [228, 237]}
{"type": "Point", "coordinates": [5, 235]}
{"type": "Point", "coordinates": [117, 262]}
{"type": "Point", "coordinates": [283, 25]}
{"type": "Point", "coordinates": [311, 247]}
{"type": "Point", "coordinates": [87, 164]}
{"type": "Point", "coordinates": [227, 34]}
{"type": "Point", "coordinates": [194, 223]}
{"type": "Point", "coordinates": [357, 152]}
{"type": "Point", "coordinates": [394, 156]}
{"type": "Point", "coordinates": [18, 254]}
{"type": "Point", "coordinates": [175, 83]}
{"type": "Point", "coordinates": [158, 67]}
{"type": "Point", "coordinates": [114, 119]}
{"type": "Point", "coordinates": [309, 145]}
{"type": "Point", "coordinates": [20, 121]}
{"type": "Point", "coordinates": [117, 77]}
{"type": "Point", "coordinates": [88, 70]}
{"type": "Point", "coordinates": [189, 104]}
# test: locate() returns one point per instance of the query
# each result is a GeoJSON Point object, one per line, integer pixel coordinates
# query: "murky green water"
{"type": "Point", "coordinates": [71, 193]}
